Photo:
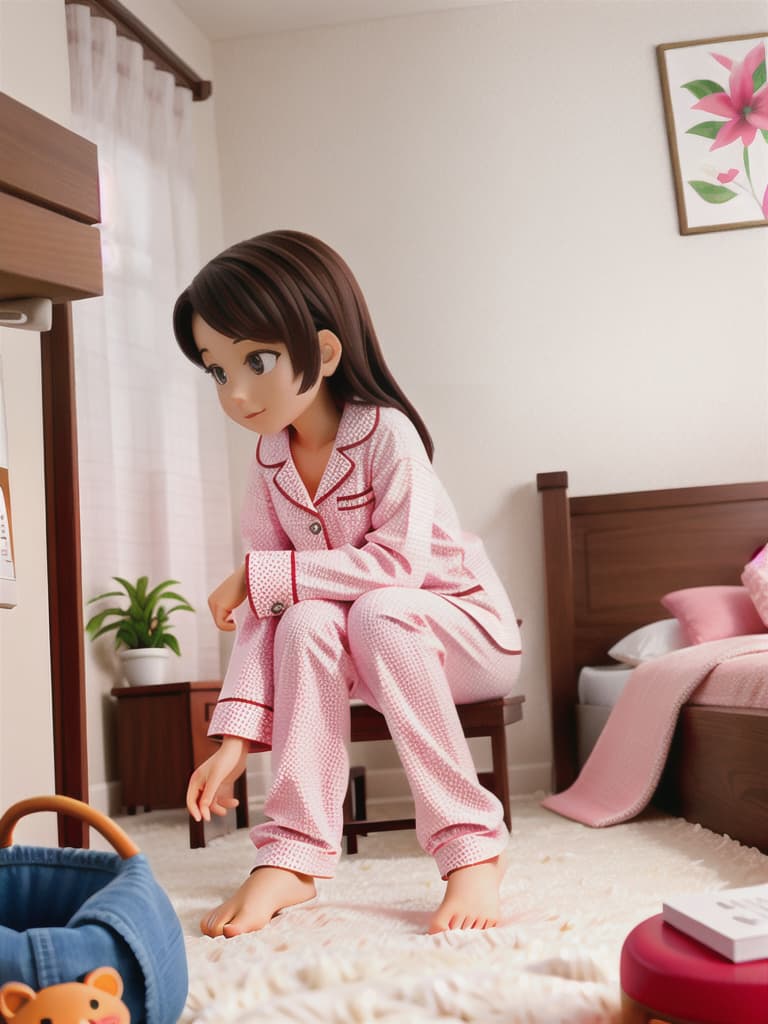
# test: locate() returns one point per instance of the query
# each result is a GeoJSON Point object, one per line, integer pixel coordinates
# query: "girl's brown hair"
{"type": "Point", "coordinates": [286, 286]}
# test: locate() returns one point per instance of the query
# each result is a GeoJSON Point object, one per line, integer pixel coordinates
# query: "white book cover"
{"type": "Point", "coordinates": [733, 922]}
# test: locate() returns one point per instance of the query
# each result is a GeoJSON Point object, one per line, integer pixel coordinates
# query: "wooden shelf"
{"type": "Point", "coordinates": [49, 202]}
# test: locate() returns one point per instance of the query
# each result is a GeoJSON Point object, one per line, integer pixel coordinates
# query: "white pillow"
{"type": "Point", "coordinates": [649, 642]}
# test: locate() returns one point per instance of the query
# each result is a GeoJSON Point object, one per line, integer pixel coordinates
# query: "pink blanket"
{"type": "Point", "coordinates": [626, 763]}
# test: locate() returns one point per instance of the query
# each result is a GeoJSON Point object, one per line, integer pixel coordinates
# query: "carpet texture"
{"type": "Point", "coordinates": [359, 953]}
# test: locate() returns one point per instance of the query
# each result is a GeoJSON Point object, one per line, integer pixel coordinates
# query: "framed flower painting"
{"type": "Point", "coordinates": [716, 106]}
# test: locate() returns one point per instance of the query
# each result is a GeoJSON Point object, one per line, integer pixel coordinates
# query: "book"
{"type": "Point", "coordinates": [733, 922]}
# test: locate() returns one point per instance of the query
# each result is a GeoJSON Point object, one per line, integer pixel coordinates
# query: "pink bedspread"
{"type": "Point", "coordinates": [626, 763]}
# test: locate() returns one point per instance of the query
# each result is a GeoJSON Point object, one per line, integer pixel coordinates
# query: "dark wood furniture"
{"type": "Point", "coordinates": [49, 204]}
{"type": "Point", "coordinates": [485, 718]}
{"type": "Point", "coordinates": [162, 736]}
{"type": "Point", "coordinates": [609, 559]}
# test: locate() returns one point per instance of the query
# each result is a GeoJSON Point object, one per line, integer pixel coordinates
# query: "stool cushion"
{"type": "Point", "coordinates": [679, 977]}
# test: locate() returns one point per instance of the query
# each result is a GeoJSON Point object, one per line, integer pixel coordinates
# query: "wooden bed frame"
{"type": "Point", "coordinates": [609, 558]}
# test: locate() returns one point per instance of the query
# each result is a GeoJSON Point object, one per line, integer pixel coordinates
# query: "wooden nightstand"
{"type": "Point", "coordinates": [162, 737]}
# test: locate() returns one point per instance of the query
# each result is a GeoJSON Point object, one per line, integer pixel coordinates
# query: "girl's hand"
{"type": "Point", "coordinates": [221, 768]}
{"type": "Point", "coordinates": [228, 595]}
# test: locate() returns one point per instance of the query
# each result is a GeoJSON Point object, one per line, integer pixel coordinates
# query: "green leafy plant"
{"type": "Point", "coordinates": [145, 622]}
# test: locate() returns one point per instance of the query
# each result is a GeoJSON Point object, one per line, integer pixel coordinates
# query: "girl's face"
{"type": "Point", "coordinates": [254, 380]}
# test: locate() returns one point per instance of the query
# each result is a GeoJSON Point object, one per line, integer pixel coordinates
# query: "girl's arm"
{"type": "Point", "coordinates": [242, 710]}
{"type": "Point", "coordinates": [396, 552]}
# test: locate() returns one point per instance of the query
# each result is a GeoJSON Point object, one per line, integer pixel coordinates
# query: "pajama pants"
{"type": "Point", "coordinates": [413, 656]}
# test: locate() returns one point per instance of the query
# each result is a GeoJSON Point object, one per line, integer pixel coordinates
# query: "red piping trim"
{"type": "Point", "coordinates": [361, 494]}
{"type": "Point", "coordinates": [267, 465]}
{"type": "Point", "coordinates": [293, 578]}
{"type": "Point", "coordinates": [340, 481]}
{"type": "Point", "coordinates": [466, 593]}
{"type": "Point", "coordinates": [343, 449]}
{"type": "Point", "coordinates": [351, 508]}
{"type": "Point", "coordinates": [242, 700]}
{"type": "Point", "coordinates": [248, 584]}
{"type": "Point", "coordinates": [370, 433]}
{"type": "Point", "coordinates": [288, 497]}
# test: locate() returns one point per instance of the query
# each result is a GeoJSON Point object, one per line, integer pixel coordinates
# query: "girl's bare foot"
{"type": "Point", "coordinates": [265, 892]}
{"type": "Point", "coordinates": [471, 898]}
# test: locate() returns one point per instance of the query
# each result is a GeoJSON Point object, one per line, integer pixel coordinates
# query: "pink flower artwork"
{"type": "Point", "coordinates": [741, 110]}
{"type": "Point", "coordinates": [745, 107]}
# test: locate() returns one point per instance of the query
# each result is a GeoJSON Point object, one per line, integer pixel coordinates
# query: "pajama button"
{"type": "Point", "coordinates": [315, 527]}
{"type": "Point", "coordinates": [277, 608]}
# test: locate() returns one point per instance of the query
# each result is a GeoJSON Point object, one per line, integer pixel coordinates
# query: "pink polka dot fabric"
{"type": "Point", "coordinates": [412, 656]}
{"type": "Point", "coordinates": [367, 589]}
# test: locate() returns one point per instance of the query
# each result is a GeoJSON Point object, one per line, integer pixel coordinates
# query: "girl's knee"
{"type": "Point", "coordinates": [307, 621]}
{"type": "Point", "coordinates": [378, 615]}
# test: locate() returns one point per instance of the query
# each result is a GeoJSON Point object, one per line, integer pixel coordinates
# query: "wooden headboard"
{"type": "Point", "coordinates": [609, 558]}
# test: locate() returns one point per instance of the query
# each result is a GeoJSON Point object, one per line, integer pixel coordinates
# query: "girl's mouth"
{"type": "Point", "coordinates": [252, 414]}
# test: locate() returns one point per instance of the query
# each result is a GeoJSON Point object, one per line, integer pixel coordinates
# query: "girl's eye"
{"type": "Point", "coordinates": [262, 362]}
{"type": "Point", "coordinates": [217, 373]}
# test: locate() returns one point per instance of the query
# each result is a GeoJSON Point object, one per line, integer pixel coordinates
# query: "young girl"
{"type": "Point", "coordinates": [357, 583]}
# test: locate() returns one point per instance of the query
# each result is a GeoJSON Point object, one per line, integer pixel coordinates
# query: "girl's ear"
{"type": "Point", "coordinates": [330, 352]}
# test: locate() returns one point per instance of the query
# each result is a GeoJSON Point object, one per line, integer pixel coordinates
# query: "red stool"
{"type": "Point", "coordinates": [667, 977]}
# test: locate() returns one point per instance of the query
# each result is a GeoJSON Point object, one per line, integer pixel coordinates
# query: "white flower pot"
{"type": "Point", "coordinates": [146, 666]}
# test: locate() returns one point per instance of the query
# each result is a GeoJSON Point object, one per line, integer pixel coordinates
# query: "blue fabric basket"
{"type": "Point", "coordinates": [64, 912]}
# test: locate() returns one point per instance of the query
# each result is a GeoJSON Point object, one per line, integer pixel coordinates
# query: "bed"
{"type": "Point", "coordinates": [609, 559]}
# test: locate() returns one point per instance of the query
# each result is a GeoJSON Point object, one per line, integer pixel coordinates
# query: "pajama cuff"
{"type": "Point", "coordinates": [270, 578]}
{"type": "Point", "coordinates": [236, 716]}
{"type": "Point", "coordinates": [293, 855]}
{"type": "Point", "coordinates": [470, 849]}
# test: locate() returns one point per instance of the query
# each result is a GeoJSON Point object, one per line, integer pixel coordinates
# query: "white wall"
{"type": "Point", "coordinates": [499, 179]}
{"type": "Point", "coordinates": [26, 738]}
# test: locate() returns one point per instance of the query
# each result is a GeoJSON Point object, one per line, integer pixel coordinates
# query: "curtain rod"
{"type": "Point", "coordinates": [131, 27]}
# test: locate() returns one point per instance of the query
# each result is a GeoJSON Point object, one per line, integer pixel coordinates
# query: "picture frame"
{"type": "Point", "coordinates": [715, 95]}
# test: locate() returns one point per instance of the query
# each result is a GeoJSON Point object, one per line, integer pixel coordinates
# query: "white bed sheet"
{"type": "Point", "coordinates": [738, 683]}
{"type": "Point", "coordinates": [601, 685]}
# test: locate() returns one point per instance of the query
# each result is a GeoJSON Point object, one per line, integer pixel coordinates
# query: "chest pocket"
{"type": "Point", "coordinates": [353, 516]}
{"type": "Point", "coordinates": [352, 502]}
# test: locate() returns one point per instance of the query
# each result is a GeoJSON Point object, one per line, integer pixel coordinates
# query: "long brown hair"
{"type": "Point", "coordinates": [286, 286]}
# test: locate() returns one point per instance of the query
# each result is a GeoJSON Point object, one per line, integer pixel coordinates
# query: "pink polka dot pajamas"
{"type": "Point", "coordinates": [371, 591]}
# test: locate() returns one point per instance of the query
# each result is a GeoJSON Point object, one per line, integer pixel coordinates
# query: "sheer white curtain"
{"type": "Point", "coordinates": [154, 488]}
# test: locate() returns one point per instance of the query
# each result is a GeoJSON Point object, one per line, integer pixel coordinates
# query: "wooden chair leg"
{"type": "Point", "coordinates": [501, 778]}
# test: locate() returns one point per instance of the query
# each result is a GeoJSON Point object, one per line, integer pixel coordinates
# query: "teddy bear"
{"type": "Point", "coordinates": [96, 999]}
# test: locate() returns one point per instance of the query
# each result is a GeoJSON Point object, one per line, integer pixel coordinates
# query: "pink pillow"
{"type": "Point", "coordinates": [712, 613]}
{"type": "Point", "coordinates": [755, 579]}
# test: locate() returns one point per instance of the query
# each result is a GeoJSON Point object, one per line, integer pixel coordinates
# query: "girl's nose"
{"type": "Point", "coordinates": [238, 388]}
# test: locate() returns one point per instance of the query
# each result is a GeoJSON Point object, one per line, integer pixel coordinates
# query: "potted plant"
{"type": "Point", "coordinates": [143, 636]}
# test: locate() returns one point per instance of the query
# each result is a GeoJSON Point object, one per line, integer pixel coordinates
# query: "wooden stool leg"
{"type": "Point", "coordinates": [358, 781]}
{"type": "Point", "coordinates": [499, 757]}
{"type": "Point", "coordinates": [352, 803]}
{"type": "Point", "coordinates": [241, 793]}
{"type": "Point", "coordinates": [196, 834]}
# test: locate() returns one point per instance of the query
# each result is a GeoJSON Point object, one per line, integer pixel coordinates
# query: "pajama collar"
{"type": "Point", "coordinates": [358, 423]}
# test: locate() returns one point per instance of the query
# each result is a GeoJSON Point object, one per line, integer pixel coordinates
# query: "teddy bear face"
{"type": "Point", "coordinates": [96, 1001]}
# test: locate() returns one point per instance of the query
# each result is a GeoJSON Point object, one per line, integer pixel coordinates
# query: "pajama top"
{"type": "Point", "coordinates": [380, 518]}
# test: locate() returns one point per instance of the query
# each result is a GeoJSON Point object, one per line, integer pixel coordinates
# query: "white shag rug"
{"type": "Point", "coordinates": [360, 952]}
